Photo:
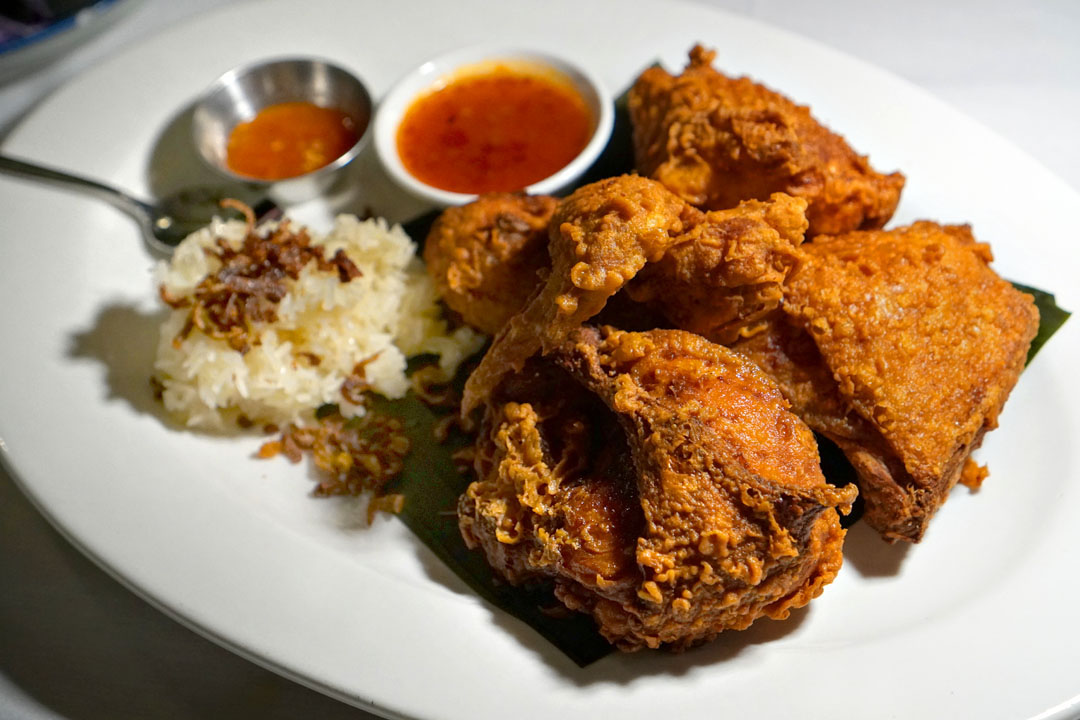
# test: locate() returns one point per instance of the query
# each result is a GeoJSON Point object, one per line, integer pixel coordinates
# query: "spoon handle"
{"type": "Point", "coordinates": [119, 198]}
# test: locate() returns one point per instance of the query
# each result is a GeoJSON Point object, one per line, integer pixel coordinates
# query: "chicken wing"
{"type": "Point", "coordinates": [484, 257]}
{"type": "Point", "coordinates": [902, 347]}
{"type": "Point", "coordinates": [599, 238]}
{"type": "Point", "coordinates": [661, 481]}
{"type": "Point", "coordinates": [716, 140]}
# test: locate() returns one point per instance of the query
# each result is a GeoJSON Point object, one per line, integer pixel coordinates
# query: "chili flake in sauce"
{"type": "Point", "coordinates": [498, 131]}
{"type": "Point", "coordinates": [289, 139]}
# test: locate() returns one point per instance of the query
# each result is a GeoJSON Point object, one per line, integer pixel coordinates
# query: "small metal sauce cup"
{"type": "Point", "coordinates": [238, 95]}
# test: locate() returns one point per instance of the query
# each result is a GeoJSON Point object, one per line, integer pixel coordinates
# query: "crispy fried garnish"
{"type": "Point", "coordinates": [251, 281]}
{"type": "Point", "coordinates": [430, 385]}
{"type": "Point", "coordinates": [241, 207]}
{"type": "Point", "coordinates": [356, 456]}
{"type": "Point", "coordinates": [973, 474]}
{"type": "Point", "coordinates": [356, 384]}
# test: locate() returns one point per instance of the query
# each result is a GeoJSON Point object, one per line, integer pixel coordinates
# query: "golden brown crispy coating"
{"type": "Point", "coordinates": [600, 237]}
{"type": "Point", "coordinates": [903, 348]}
{"type": "Point", "coordinates": [484, 257]}
{"type": "Point", "coordinates": [661, 481]}
{"type": "Point", "coordinates": [924, 339]}
{"type": "Point", "coordinates": [723, 277]}
{"type": "Point", "coordinates": [716, 140]}
{"type": "Point", "coordinates": [893, 505]}
{"type": "Point", "coordinates": [725, 271]}
{"type": "Point", "coordinates": [556, 484]}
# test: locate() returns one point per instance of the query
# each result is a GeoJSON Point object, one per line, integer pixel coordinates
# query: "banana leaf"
{"type": "Point", "coordinates": [1051, 317]}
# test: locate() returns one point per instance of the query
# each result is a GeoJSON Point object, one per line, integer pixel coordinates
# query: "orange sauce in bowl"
{"type": "Point", "coordinates": [289, 139]}
{"type": "Point", "coordinates": [500, 130]}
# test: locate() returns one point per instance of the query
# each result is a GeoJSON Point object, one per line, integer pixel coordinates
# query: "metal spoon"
{"type": "Point", "coordinates": [165, 223]}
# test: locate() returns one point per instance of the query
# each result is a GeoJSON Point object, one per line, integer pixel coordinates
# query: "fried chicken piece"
{"type": "Point", "coordinates": [484, 257]}
{"type": "Point", "coordinates": [902, 348]}
{"type": "Point", "coordinates": [716, 140]}
{"type": "Point", "coordinates": [661, 481]}
{"type": "Point", "coordinates": [599, 238]}
{"type": "Point", "coordinates": [892, 504]}
{"type": "Point", "coordinates": [726, 275]}
{"type": "Point", "coordinates": [729, 265]}
{"type": "Point", "coordinates": [554, 472]}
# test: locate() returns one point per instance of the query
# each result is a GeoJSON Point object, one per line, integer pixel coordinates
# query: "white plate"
{"type": "Point", "coordinates": [976, 621]}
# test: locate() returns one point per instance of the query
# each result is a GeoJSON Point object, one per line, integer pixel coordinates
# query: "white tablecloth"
{"type": "Point", "coordinates": [75, 644]}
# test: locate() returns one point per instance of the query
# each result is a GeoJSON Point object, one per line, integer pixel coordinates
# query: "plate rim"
{"type": "Point", "coordinates": [10, 463]}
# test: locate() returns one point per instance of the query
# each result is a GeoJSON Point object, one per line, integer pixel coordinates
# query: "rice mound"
{"type": "Point", "coordinates": [386, 315]}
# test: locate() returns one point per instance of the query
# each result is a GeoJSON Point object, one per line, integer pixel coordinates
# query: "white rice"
{"type": "Point", "coordinates": [389, 313]}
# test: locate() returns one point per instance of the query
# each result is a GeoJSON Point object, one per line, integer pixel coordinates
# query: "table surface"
{"type": "Point", "coordinates": [76, 644]}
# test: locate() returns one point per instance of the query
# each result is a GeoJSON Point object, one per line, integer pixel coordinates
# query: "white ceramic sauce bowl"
{"type": "Point", "coordinates": [443, 69]}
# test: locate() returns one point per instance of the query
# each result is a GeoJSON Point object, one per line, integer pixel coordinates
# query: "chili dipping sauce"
{"type": "Point", "coordinates": [496, 131]}
{"type": "Point", "coordinates": [290, 139]}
